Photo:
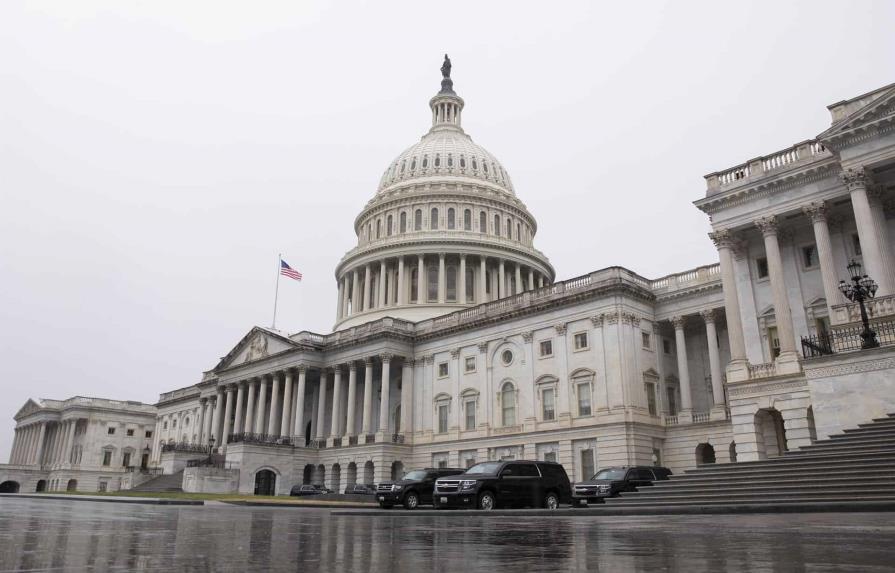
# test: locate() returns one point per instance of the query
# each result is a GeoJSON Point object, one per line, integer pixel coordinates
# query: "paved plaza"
{"type": "Point", "coordinates": [43, 535]}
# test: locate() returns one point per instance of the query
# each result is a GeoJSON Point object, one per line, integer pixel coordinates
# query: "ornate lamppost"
{"type": "Point", "coordinates": [864, 288]}
{"type": "Point", "coordinates": [210, 448]}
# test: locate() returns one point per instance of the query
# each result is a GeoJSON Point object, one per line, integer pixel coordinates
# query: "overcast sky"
{"type": "Point", "coordinates": [156, 156]}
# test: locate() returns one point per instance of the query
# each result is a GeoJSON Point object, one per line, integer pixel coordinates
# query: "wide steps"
{"type": "Point", "coordinates": [870, 473]}
{"type": "Point", "coordinates": [866, 485]}
{"type": "Point", "coordinates": [162, 484]}
{"type": "Point", "coordinates": [815, 466]}
{"type": "Point", "coordinates": [868, 433]}
{"type": "Point", "coordinates": [742, 500]}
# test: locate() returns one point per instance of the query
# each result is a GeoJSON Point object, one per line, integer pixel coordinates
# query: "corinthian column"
{"type": "Point", "coordinates": [738, 368]}
{"type": "Point", "coordinates": [402, 282]}
{"type": "Point", "coordinates": [285, 429]}
{"type": "Point", "coordinates": [461, 281]}
{"type": "Point", "coordinates": [483, 277]}
{"type": "Point", "coordinates": [788, 361]}
{"type": "Point", "coordinates": [442, 288]}
{"type": "Point", "coordinates": [382, 270]}
{"type": "Point", "coordinates": [228, 412]}
{"type": "Point", "coordinates": [407, 398]}
{"type": "Point", "coordinates": [262, 403]}
{"type": "Point", "coordinates": [335, 422]}
{"type": "Point", "coordinates": [273, 422]}
{"type": "Point", "coordinates": [250, 408]}
{"type": "Point", "coordinates": [683, 367]}
{"type": "Point", "coordinates": [817, 212]}
{"type": "Point", "coordinates": [240, 399]}
{"type": "Point", "coordinates": [321, 406]}
{"type": "Point", "coordinates": [711, 335]}
{"type": "Point", "coordinates": [367, 422]}
{"type": "Point", "coordinates": [300, 402]}
{"type": "Point", "coordinates": [871, 250]}
{"type": "Point", "coordinates": [421, 281]}
{"type": "Point", "coordinates": [216, 419]}
{"type": "Point", "coordinates": [351, 428]}
{"type": "Point", "coordinates": [368, 275]}
{"type": "Point", "coordinates": [384, 393]}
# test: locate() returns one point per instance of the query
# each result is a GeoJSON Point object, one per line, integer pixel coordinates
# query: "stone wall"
{"type": "Point", "coordinates": [210, 480]}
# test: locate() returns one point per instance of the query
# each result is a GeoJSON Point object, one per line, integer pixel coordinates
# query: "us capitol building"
{"type": "Point", "coordinates": [453, 342]}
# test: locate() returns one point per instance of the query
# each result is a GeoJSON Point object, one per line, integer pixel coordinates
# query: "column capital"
{"type": "Point", "coordinates": [597, 320]}
{"type": "Point", "coordinates": [386, 357]}
{"type": "Point", "coordinates": [767, 225]}
{"type": "Point", "coordinates": [302, 368]}
{"type": "Point", "coordinates": [817, 211]}
{"type": "Point", "coordinates": [455, 352]}
{"type": "Point", "coordinates": [679, 322]}
{"type": "Point", "coordinates": [429, 358]}
{"type": "Point", "coordinates": [854, 178]}
{"type": "Point", "coordinates": [527, 336]}
{"type": "Point", "coordinates": [708, 315]}
{"type": "Point", "coordinates": [203, 401]}
{"type": "Point", "coordinates": [409, 362]}
{"type": "Point", "coordinates": [723, 238]}
{"type": "Point", "coordinates": [368, 361]}
{"type": "Point", "coordinates": [462, 256]}
{"type": "Point", "coordinates": [352, 366]}
{"type": "Point", "coordinates": [560, 328]}
{"type": "Point", "coordinates": [483, 347]}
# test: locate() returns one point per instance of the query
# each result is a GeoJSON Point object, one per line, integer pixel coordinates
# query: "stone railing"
{"type": "Point", "coordinates": [699, 417]}
{"type": "Point", "coordinates": [697, 276]}
{"type": "Point", "coordinates": [765, 370]}
{"type": "Point", "coordinates": [670, 420]}
{"type": "Point", "coordinates": [876, 308]}
{"type": "Point", "coordinates": [506, 430]}
{"type": "Point", "coordinates": [179, 393]}
{"type": "Point", "coordinates": [759, 167]}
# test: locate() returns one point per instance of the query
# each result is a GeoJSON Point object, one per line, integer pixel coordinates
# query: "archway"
{"type": "Point", "coordinates": [320, 475]}
{"type": "Point", "coordinates": [335, 478]}
{"type": "Point", "coordinates": [397, 470]}
{"type": "Point", "coordinates": [733, 452]}
{"type": "Point", "coordinates": [368, 473]}
{"type": "Point", "coordinates": [705, 454]}
{"type": "Point", "coordinates": [41, 485]}
{"type": "Point", "coordinates": [770, 433]}
{"type": "Point", "coordinates": [352, 473]}
{"type": "Point", "coordinates": [9, 487]}
{"type": "Point", "coordinates": [72, 485]}
{"type": "Point", "coordinates": [308, 475]}
{"type": "Point", "coordinates": [265, 483]}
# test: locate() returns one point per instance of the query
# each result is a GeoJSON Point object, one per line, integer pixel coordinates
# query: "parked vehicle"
{"type": "Point", "coordinates": [361, 489]}
{"type": "Point", "coordinates": [489, 485]}
{"type": "Point", "coordinates": [414, 489]}
{"type": "Point", "coordinates": [309, 489]}
{"type": "Point", "coordinates": [612, 481]}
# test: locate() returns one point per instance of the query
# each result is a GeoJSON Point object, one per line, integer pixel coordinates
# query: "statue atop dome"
{"type": "Point", "coordinates": [446, 67]}
{"type": "Point", "coordinates": [447, 84]}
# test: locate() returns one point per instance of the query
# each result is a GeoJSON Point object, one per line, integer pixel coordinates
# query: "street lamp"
{"type": "Point", "coordinates": [210, 448]}
{"type": "Point", "coordinates": [864, 288]}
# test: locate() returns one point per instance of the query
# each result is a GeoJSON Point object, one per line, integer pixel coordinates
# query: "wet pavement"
{"type": "Point", "coordinates": [41, 535]}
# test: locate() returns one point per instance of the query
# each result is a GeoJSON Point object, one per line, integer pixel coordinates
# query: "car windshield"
{"type": "Point", "coordinates": [484, 468]}
{"type": "Point", "coordinates": [611, 473]}
{"type": "Point", "coordinates": [415, 475]}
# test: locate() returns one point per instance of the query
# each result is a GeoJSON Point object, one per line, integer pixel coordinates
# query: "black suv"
{"type": "Point", "coordinates": [505, 484]}
{"type": "Point", "coordinates": [610, 482]}
{"type": "Point", "coordinates": [414, 489]}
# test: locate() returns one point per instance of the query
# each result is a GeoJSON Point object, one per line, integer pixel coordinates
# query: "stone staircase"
{"type": "Point", "coordinates": [856, 467]}
{"type": "Point", "coordinates": [162, 484]}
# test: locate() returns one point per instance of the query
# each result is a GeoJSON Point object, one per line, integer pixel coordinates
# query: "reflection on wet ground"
{"type": "Point", "coordinates": [38, 535]}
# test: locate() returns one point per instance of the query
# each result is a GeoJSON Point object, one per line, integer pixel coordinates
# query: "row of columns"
{"type": "Point", "coordinates": [709, 317]}
{"type": "Point", "coordinates": [367, 288]}
{"type": "Point", "coordinates": [42, 443]}
{"type": "Point", "coordinates": [242, 407]}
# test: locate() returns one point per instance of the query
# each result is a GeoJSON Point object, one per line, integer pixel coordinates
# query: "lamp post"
{"type": "Point", "coordinates": [210, 448]}
{"type": "Point", "coordinates": [864, 288]}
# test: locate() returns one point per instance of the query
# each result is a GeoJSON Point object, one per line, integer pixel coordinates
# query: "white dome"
{"type": "Point", "coordinates": [451, 153]}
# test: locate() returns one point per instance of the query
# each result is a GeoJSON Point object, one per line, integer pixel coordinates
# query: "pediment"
{"type": "Point", "coordinates": [870, 109]}
{"type": "Point", "coordinates": [30, 407]}
{"type": "Point", "coordinates": [258, 344]}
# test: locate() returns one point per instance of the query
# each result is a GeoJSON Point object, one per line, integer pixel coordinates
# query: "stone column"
{"type": "Point", "coordinates": [501, 281]}
{"type": "Point", "coordinates": [519, 286]}
{"type": "Point", "coordinates": [818, 212]}
{"type": "Point", "coordinates": [876, 194]}
{"type": "Point", "coordinates": [382, 269]}
{"type": "Point", "coordinates": [335, 421]}
{"type": "Point", "coordinates": [402, 282]}
{"type": "Point", "coordinates": [872, 251]}
{"type": "Point", "coordinates": [321, 406]}
{"type": "Point", "coordinates": [367, 422]}
{"type": "Point", "coordinates": [461, 281]}
{"type": "Point", "coordinates": [442, 283]}
{"type": "Point", "coordinates": [384, 392]}
{"type": "Point", "coordinates": [249, 426]}
{"type": "Point", "coordinates": [683, 369]}
{"type": "Point", "coordinates": [285, 427]}
{"type": "Point", "coordinates": [41, 440]}
{"type": "Point", "coordinates": [421, 281]}
{"type": "Point", "coordinates": [483, 278]}
{"type": "Point", "coordinates": [300, 402]}
{"type": "Point", "coordinates": [240, 402]}
{"type": "Point", "coordinates": [738, 368]}
{"type": "Point", "coordinates": [788, 361]}
{"type": "Point", "coordinates": [531, 279]}
{"type": "Point", "coordinates": [202, 402]}
{"type": "Point", "coordinates": [228, 412]}
{"type": "Point", "coordinates": [216, 420]}
{"type": "Point", "coordinates": [262, 403]}
{"type": "Point", "coordinates": [340, 299]}
{"type": "Point", "coordinates": [711, 335]}
{"type": "Point", "coordinates": [367, 276]}
{"type": "Point", "coordinates": [407, 398]}
{"type": "Point", "coordinates": [16, 442]}
{"type": "Point", "coordinates": [273, 422]}
{"type": "Point", "coordinates": [351, 428]}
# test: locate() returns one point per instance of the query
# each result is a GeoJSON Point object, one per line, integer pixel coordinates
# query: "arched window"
{"type": "Point", "coordinates": [483, 222]}
{"type": "Point", "coordinates": [369, 231]}
{"type": "Point", "coordinates": [425, 161]}
{"type": "Point", "coordinates": [451, 222]}
{"type": "Point", "coordinates": [388, 226]}
{"type": "Point", "coordinates": [470, 284]}
{"type": "Point", "coordinates": [418, 220]}
{"type": "Point", "coordinates": [413, 164]}
{"type": "Point", "coordinates": [433, 219]}
{"type": "Point", "coordinates": [485, 166]}
{"type": "Point", "coordinates": [451, 275]}
{"type": "Point", "coordinates": [414, 284]}
{"type": "Point", "coordinates": [518, 231]}
{"type": "Point", "coordinates": [450, 160]}
{"type": "Point", "coordinates": [508, 405]}
{"type": "Point", "coordinates": [467, 220]}
{"type": "Point", "coordinates": [403, 222]}
{"type": "Point", "coordinates": [497, 225]}
{"type": "Point", "coordinates": [378, 228]}
{"type": "Point", "coordinates": [437, 160]}
{"type": "Point", "coordinates": [475, 164]}
{"type": "Point", "coordinates": [509, 229]}
{"type": "Point", "coordinates": [432, 284]}
{"type": "Point", "coordinates": [462, 162]}
{"type": "Point", "coordinates": [403, 163]}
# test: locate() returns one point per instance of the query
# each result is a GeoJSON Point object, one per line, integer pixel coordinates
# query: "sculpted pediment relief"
{"type": "Point", "coordinates": [258, 344]}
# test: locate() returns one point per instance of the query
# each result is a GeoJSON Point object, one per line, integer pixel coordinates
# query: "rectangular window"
{"type": "Point", "coordinates": [126, 459]}
{"type": "Point", "coordinates": [443, 370]}
{"type": "Point", "coordinates": [148, 433]}
{"type": "Point", "coordinates": [587, 464]}
{"type": "Point", "coordinates": [809, 257]}
{"type": "Point", "coordinates": [442, 419]}
{"type": "Point", "coordinates": [549, 408]}
{"type": "Point", "coordinates": [110, 431]}
{"type": "Point", "coordinates": [773, 342]}
{"type": "Point", "coordinates": [761, 267]}
{"type": "Point", "coordinates": [549, 456]}
{"type": "Point", "coordinates": [581, 341]}
{"type": "Point", "coordinates": [470, 363]}
{"type": "Point", "coordinates": [103, 486]}
{"type": "Point", "coordinates": [442, 464]}
{"type": "Point", "coordinates": [165, 426]}
{"type": "Point", "coordinates": [546, 348]}
{"type": "Point", "coordinates": [107, 458]}
{"type": "Point", "coordinates": [666, 346]}
{"type": "Point", "coordinates": [672, 400]}
{"type": "Point", "coordinates": [646, 340]}
{"type": "Point", "coordinates": [650, 397]}
{"type": "Point", "coordinates": [130, 432]}
{"type": "Point", "coordinates": [470, 414]}
{"type": "Point", "coordinates": [584, 408]}
{"type": "Point", "coordinates": [470, 462]}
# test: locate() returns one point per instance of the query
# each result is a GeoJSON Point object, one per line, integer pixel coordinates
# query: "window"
{"type": "Point", "coordinates": [126, 459]}
{"type": "Point", "coordinates": [483, 222]}
{"type": "Point", "coordinates": [646, 341]}
{"type": "Point", "coordinates": [414, 284]}
{"type": "Point", "coordinates": [549, 456]}
{"type": "Point", "coordinates": [587, 463]}
{"type": "Point", "coordinates": [451, 290]}
{"type": "Point", "coordinates": [527, 470]}
{"type": "Point", "coordinates": [442, 418]}
{"type": "Point", "coordinates": [103, 486]}
{"type": "Point", "coordinates": [130, 432]}
{"type": "Point", "coordinates": [110, 431]}
{"type": "Point", "coordinates": [467, 220]}
{"type": "Point", "coordinates": [761, 267]}
{"type": "Point", "coordinates": [650, 397]}
{"type": "Point", "coordinates": [442, 464]}
{"type": "Point", "coordinates": [378, 228]}
{"type": "Point", "coordinates": [403, 222]}
{"type": "Point", "coordinates": [469, 407]}
{"type": "Point", "coordinates": [443, 370]}
{"type": "Point", "coordinates": [666, 346]}
{"type": "Point", "coordinates": [508, 405]}
{"type": "Point", "coordinates": [583, 390]}
{"type": "Point", "coordinates": [470, 284]}
{"type": "Point", "coordinates": [433, 219]}
{"type": "Point", "coordinates": [451, 221]}
{"type": "Point", "coordinates": [856, 243]}
{"type": "Point", "coordinates": [450, 160]}
{"type": "Point", "coordinates": [174, 423]}
{"type": "Point", "coordinates": [462, 162]}
{"type": "Point", "coordinates": [485, 166]}
{"type": "Point", "coordinates": [506, 357]}
{"type": "Point", "coordinates": [388, 226]}
{"type": "Point", "coordinates": [545, 348]}
{"type": "Point", "coordinates": [509, 229]}
{"type": "Point", "coordinates": [470, 364]}
{"type": "Point", "coordinates": [107, 458]}
{"type": "Point", "coordinates": [475, 164]}
{"type": "Point", "coordinates": [165, 426]}
{"type": "Point", "coordinates": [148, 433]}
{"type": "Point", "coordinates": [497, 225]}
{"type": "Point", "coordinates": [433, 284]}
{"type": "Point", "coordinates": [773, 341]}
{"type": "Point", "coordinates": [581, 341]}
{"type": "Point", "coordinates": [809, 257]}
{"type": "Point", "coordinates": [437, 160]}
{"type": "Point", "coordinates": [671, 393]}
{"type": "Point", "coordinates": [548, 406]}
{"type": "Point", "coordinates": [418, 220]}
{"type": "Point", "coordinates": [425, 161]}
{"type": "Point", "coordinates": [470, 462]}
{"type": "Point", "coordinates": [413, 164]}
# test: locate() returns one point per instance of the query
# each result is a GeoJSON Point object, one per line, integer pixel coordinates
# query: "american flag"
{"type": "Point", "coordinates": [288, 271]}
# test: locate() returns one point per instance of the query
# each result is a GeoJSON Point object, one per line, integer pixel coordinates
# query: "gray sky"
{"type": "Point", "coordinates": [156, 156]}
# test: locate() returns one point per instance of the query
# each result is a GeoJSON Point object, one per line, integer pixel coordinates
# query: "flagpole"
{"type": "Point", "coordinates": [276, 292]}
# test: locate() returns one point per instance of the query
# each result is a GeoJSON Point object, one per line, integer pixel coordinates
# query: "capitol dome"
{"type": "Point", "coordinates": [444, 230]}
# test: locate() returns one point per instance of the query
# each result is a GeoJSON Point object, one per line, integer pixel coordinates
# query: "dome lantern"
{"type": "Point", "coordinates": [446, 105]}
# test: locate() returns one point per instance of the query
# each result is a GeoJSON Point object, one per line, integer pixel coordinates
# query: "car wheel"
{"type": "Point", "coordinates": [551, 501]}
{"type": "Point", "coordinates": [487, 501]}
{"type": "Point", "coordinates": [411, 500]}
